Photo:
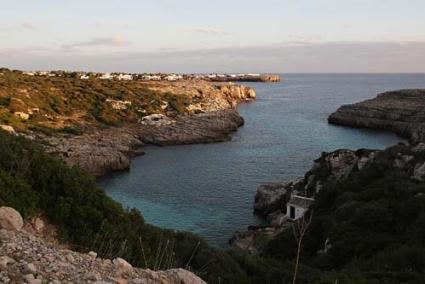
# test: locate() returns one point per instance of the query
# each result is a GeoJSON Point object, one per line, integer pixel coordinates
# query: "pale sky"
{"type": "Point", "coordinates": [214, 36]}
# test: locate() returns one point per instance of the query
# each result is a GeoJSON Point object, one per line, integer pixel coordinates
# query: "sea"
{"type": "Point", "coordinates": [209, 189]}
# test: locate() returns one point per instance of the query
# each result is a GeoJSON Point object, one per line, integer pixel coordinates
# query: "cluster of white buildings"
{"type": "Point", "coordinates": [141, 76]}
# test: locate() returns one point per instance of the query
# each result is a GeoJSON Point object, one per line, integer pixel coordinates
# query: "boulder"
{"type": "Point", "coordinates": [4, 261]}
{"type": "Point", "coordinates": [182, 276]}
{"type": "Point", "coordinates": [419, 172]}
{"type": "Point", "coordinates": [22, 115]}
{"type": "Point", "coordinates": [7, 128]}
{"type": "Point", "coordinates": [10, 219]}
{"type": "Point", "coordinates": [121, 264]}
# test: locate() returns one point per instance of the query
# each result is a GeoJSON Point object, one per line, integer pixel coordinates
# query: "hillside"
{"type": "Point", "coordinates": [101, 124]}
{"type": "Point", "coordinates": [66, 103]}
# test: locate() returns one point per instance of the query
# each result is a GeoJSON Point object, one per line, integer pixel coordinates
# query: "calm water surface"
{"type": "Point", "coordinates": [209, 189]}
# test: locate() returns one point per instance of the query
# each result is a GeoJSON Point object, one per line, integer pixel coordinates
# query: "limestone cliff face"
{"type": "Point", "coordinates": [402, 112]}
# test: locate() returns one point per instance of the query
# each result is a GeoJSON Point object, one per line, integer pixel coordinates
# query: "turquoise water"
{"type": "Point", "coordinates": [209, 189]}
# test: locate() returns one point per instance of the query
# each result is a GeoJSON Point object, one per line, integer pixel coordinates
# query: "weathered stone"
{"type": "Point", "coordinates": [122, 264]}
{"type": "Point", "coordinates": [30, 267]}
{"type": "Point", "coordinates": [4, 261]}
{"type": "Point", "coordinates": [419, 172]}
{"type": "Point", "coordinates": [10, 219]}
{"type": "Point", "coordinates": [269, 197]}
{"type": "Point", "coordinates": [7, 128]}
{"type": "Point", "coordinates": [402, 112]}
{"type": "Point", "coordinates": [92, 255]}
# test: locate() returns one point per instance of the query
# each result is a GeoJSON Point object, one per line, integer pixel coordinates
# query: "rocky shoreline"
{"type": "Point", "coordinates": [402, 112]}
{"type": "Point", "coordinates": [100, 151]}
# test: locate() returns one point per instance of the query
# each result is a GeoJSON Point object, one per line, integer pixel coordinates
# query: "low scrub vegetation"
{"type": "Point", "coordinates": [67, 101]}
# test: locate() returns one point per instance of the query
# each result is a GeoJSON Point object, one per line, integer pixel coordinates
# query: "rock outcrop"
{"type": "Point", "coordinates": [271, 199]}
{"type": "Point", "coordinates": [100, 151]}
{"type": "Point", "coordinates": [10, 219]}
{"type": "Point", "coordinates": [25, 258]}
{"type": "Point", "coordinates": [402, 112]}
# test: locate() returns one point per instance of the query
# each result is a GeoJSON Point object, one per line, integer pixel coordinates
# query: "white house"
{"type": "Point", "coordinates": [173, 77]}
{"type": "Point", "coordinates": [125, 77]}
{"type": "Point", "coordinates": [84, 77]}
{"type": "Point", "coordinates": [297, 206]}
{"type": "Point", "coordinates": [151, 77]}
{"type": "Point", "coordinates": [106, 76]}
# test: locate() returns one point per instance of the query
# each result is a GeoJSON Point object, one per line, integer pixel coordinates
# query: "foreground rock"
{"type": "Point", "coordinates": [10, 219]}
{"type": "Point", "coordinates": [25, 258]}
{"type": "Point", "coordinates": [402, 112]}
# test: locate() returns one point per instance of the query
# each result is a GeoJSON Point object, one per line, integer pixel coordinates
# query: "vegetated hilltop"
{"type": "Point", "coordinates": [29, 102]}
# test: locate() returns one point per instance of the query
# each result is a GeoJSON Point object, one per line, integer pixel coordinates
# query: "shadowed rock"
{"type": "Point", "coordinates": [402, 112]}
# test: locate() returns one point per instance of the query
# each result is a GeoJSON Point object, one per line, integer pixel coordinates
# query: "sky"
{"type": "Point", "coordinates": [283, 36]}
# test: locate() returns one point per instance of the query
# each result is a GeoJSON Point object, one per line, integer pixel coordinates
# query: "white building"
{"type": "Point", "coordinates": [125, 77]}
{"type": "Point", "coordinates": [173, 77]}
{"type": "Point", "coordinates": [84, 77]}
{"type": "Point", "coordinates": [151, 77]}
{"type": "Point", "coordinates": [297, 206]}
{"type": "Point", "coordinates": [106, 76]}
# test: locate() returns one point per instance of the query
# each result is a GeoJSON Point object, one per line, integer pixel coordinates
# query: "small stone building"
{"type": "Point", "coordinates": [297, 206]}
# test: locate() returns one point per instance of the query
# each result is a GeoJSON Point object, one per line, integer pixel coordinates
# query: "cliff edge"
{"type": "Point", "coordinates": [402, 112]}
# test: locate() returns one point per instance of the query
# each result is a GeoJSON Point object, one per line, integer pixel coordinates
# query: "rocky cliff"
{"type": "Point", "coordinates": [402, 112]}
{"type": "Point", "coordinates": [27, 258]}
{"type": "Point", "coordinates": [330, 168]}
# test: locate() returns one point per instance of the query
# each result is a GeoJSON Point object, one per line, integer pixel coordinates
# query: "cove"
{"type": "Point", "coordinates": [209, 189]}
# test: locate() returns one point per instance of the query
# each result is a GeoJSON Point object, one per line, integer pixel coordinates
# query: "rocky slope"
{"type": "Point", "coordinates": [27, 258]}
{"type": "Point", "coordinates": [402, 112]}
{"type": "Point", "coordinates": [101, 124]}
{"type": "Point", "coordinates": [333, 167]}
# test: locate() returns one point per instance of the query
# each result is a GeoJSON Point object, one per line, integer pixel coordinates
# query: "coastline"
{"type": "Point", "coordinates": [400, 112]}
{"type": "Point", "coordinates": [211, 116]}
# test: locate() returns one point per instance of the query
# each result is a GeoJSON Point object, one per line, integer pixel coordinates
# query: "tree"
{"type": "Point", "coordinates": [299, 229]}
